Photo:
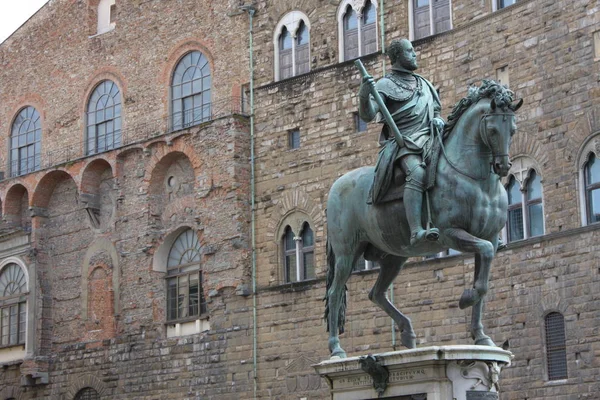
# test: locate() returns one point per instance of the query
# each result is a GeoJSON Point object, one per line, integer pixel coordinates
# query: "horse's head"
{"type": "Point", "coordinates": [497, 127]}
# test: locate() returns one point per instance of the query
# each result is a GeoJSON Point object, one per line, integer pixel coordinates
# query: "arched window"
{"type": "Point", "coordinates": [556, 350]}
{"type": "Point", "coordinates": [103, 118]}
{"type": "Point", "coordinates": [191, 91]}
{"type": "Point", "coordinates": [592, 189]}
{"type": "Point", "coordinates": [357, 28]}
{"type": "Point", "coordinates": [185, 297]}
{"type": "Point", "coordinates": [298, 254]}
{"type": "Point", "coordinates": [87, 393]}
{"type": "Point", "coordinates": [13, 306]}
{"type": "Point", "coordinates": [292, 45]}
{"type": "Point", "coordinates": [430, 17]}
{"type": "Point", "coordinates": [525, 200]}
{"type": "Point", "coordinates": [25, 144]}
{"type": "Point", "coordinates": [500, 4]}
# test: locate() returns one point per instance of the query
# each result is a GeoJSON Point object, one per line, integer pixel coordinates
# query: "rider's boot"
{"type": "Point", "coordinates": [413, 203]}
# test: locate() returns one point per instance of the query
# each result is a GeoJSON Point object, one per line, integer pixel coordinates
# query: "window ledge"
{"type": "Point", "coordinates": [556, 382]}
{"type": "Point", "coordinates": [191, 327]}
{"type": "Point", "coordinates": [107, 30]}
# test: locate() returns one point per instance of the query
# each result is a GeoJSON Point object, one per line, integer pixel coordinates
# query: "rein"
{"type": "Point", "coordinates": [486, 141]}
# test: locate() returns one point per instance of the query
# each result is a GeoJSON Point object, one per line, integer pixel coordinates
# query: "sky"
{"type": "Point", "coordinates": [13, 13]}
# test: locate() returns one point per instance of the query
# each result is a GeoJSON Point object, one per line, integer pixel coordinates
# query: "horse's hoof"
{"type": "Point", "coordinates": [433, 235]}
{"type": "Point", "coordinates": [337, 354]}
{"type": "Point", "coordinates": [468, 298]}
{"type": "Point", "coordinates": [485, 341]}
{"type": "Point", "coordinates": [408, 339]}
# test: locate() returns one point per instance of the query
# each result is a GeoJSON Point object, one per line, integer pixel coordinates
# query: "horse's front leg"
{"type": "Point", "coordinates": [484, 254]}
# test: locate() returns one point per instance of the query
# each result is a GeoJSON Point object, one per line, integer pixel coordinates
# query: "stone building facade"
{"type": "Point", "coordinates": [164, 229]}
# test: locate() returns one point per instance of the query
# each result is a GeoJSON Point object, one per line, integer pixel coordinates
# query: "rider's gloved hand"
{"type": "Point", "coordinates": [439, 123]}
{"type": "Point", "coordinates": [365, 86]}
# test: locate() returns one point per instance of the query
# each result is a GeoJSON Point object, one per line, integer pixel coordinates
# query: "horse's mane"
{"type": "Point", "coordinates": [488, 89]}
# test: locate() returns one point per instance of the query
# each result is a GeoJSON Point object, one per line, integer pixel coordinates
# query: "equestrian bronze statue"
{"type": "Point", "coordinates": [465, 199]}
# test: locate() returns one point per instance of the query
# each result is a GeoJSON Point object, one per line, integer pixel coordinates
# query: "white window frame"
{"type": "Point", "coordinates": [411, 19]}
{"type": "Point", "coordinates": [290, 21]}
{"type": "Point", "coordinates": [300, 250]}
{"type": "Point", "coordinates": [591, 145]}
{"type": "Point", "coordinates": [104, 16]}
{"type": "Point", "coordinates": [521, 171]}
{"type": "Point", "coordinates": [357, 6]}
{"type": "Point", "coordinates": [9, 353]}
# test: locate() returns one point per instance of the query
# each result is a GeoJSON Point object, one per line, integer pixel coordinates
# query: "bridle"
{"type": "Point", "coordinates": [485, 138]}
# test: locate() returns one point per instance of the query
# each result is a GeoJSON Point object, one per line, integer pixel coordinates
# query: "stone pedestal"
{"type": "Point", "coordinates": [428, 373]}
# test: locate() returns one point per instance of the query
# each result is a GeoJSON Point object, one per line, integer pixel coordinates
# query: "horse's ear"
{"type": "Point", "coordinates": [493, 104]}
{"type": "Point", "coordinates": [515, 107]}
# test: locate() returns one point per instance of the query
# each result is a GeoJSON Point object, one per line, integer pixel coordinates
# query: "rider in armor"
{"type": "Point", "coordinates": [415, 108]}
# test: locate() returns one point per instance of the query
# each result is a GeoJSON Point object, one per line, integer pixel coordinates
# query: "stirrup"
{"type": "Point", "coordinates": [432, 235]}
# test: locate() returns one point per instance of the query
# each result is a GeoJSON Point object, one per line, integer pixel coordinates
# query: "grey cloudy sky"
{"type": "Point", "coordinates": [13, 13]}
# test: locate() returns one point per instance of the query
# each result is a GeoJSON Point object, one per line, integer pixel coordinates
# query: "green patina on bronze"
{"type": "Point", "coordinates": [468, 202]}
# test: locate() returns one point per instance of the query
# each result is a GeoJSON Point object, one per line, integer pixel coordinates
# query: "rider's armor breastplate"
{"type": "Point", "coordinates": [394, 88]}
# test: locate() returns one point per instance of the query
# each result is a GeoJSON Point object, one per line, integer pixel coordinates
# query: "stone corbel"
{"type": "Point", "coordinates": [38, 212]}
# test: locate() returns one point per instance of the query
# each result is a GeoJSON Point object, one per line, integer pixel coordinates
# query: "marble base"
{"type": "Point", "coordinates": [458, 372]}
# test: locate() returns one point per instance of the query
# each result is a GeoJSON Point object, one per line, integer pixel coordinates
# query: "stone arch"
{"type": "Point", "coordinates": [45, 187]}
{"type": "Point", "coordinates": [579, 137]}
{"type": "Point", "coordinates": [78, 382]}
{"type": "Point", "coordinates": [11, 392]}
{"type": "Point", "coordinates": [525, 144]}
{"type": "Point", "coordinates": [16, 206]}
{"type": "Point", "coordinates": [96, 192]}
{"type": "Point", "coordinates": [101, 252]}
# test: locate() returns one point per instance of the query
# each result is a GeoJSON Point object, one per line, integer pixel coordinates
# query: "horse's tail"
{"type": "Point", "coordinates": [330, 277]}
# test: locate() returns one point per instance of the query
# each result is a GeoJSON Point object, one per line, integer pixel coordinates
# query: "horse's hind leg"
{"type": "Point", "coordinates": [390, 267]}
{"type": "Point", "coordinates": [335, 298]}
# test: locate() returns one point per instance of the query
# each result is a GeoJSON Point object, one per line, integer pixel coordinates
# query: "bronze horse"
{"type": "Point", "coordinates": [468, 206]}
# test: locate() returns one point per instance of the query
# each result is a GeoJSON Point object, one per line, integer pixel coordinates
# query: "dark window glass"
{"type": "Point", "coordinates": [25, 147]}
{"type": "Point", "coordinates": [294, 139]}
{"type": "Point", "coordinates": [286, 66]}
{"type": "Point", "coordinates": [515, 211]}
{"type": "Point", "coordinates": [104, 118]}
{"type": "Point", "coordinates": [308, 252]}
{"type": "Point", "coordinates": [592, 189]}
{"type": "Point", "coordinates": [87, 394]}
{"type": "Point", "coordinates": [368, 29]}
{"type": "Point", "coordinates": [350, 34]}
{"type": "Point", "coordinates": [289, 254]}
{"type": "Point", "coordinates": [359, 124]}
{"type": "Point", "coordinates": [535, 212]}
{"type": "Point", "coordinates": [556, 350]}
{"type": "Point", "coordinates": [191, 91]}
{"type": "Point", "coordinates": [505, 3]}
{"type": "Point", "coordinates": [302, 49]}
{"type": "Point", "coordinates": [184, 279]}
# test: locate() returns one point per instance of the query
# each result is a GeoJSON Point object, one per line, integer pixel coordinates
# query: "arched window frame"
{"type": "Point", "coordinates": [555, 346]}
{"type": "Point", "coordinates": [587, 188]}
{"type": "Point", "coordinates": [358, 7]}
{"type": "Point", "coordinates": [25, 142]}
{"type": "Point", "coordinates": [103, 118]}
{"type": "Point", "coordinates": [186, 245]}
{"type": "Point", "coordinates": [87, 393]}
{"type": "Point", "coordinates": [435, 26]}
{"type": "Point", "coordinates": [298, 253]}
{"type": "Point", "coordinates": [292, 22]}
{"type": "Point", "coordinates": [22, 301]}
{"type": "Point", "coordinates": [195, 107]}
{"type": "Point", "coordinates": [500, 4]}
{"type": "Point", "coordinates": [523, 170]}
